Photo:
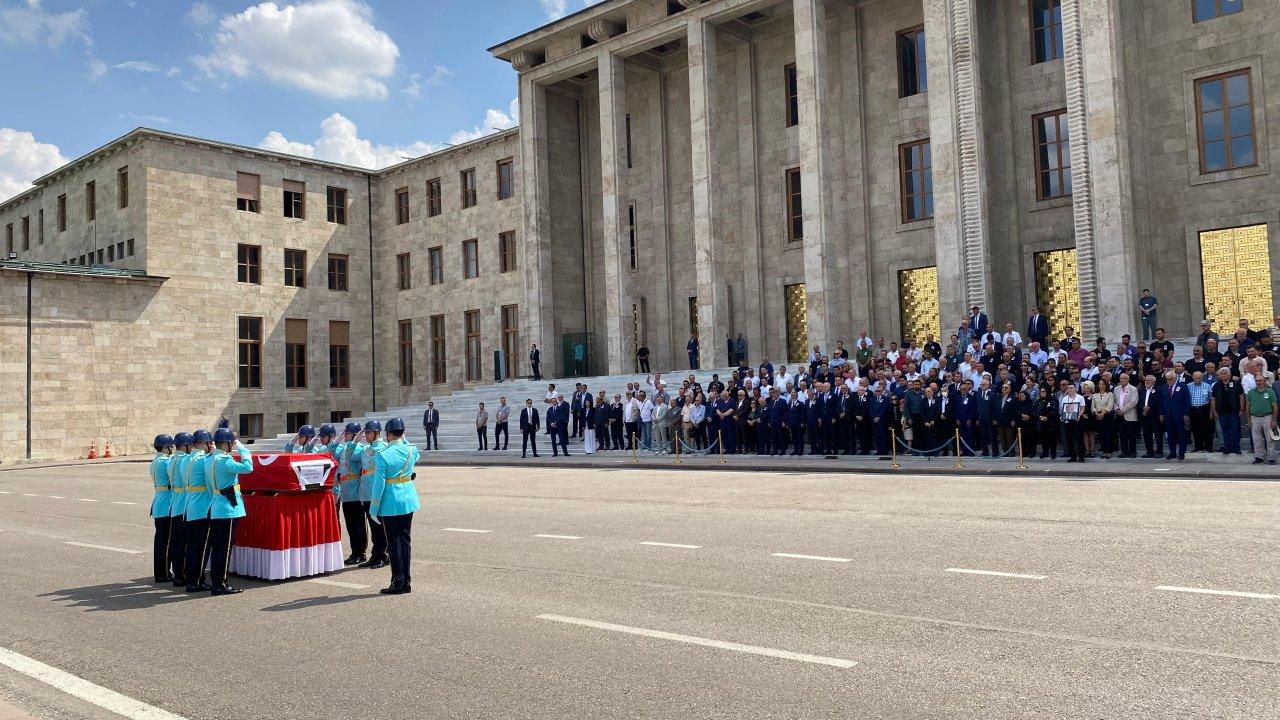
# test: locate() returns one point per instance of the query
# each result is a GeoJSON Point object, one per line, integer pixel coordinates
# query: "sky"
{"type": "Point", "coordinates": [363, 82]}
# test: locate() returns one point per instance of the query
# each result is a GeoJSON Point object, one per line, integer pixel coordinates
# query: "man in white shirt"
{"type": "Point", "coordinates": [646, 421]}
{"type": "Point", "coordinates": [551, 394]}
{"type": "Point", "coordinates": [782, 380]}
{"type": "Point", "coordinates": [1011, 337]}
{"type": "Point", "coordinates": [630, 418]}
{"type": "Point", "coordinates": [863, 341]}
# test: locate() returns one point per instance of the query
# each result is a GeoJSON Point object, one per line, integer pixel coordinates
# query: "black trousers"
{"type": "Point", "coordinates": [500, 434]}
{"type": "Point", "coordinates": [482, 436]}
{"type": "Point", "coordinates": [433, 437]}
{"type": "Point", "coordinates": [1128, 436]}
{"type": "Point", "coordinates": [221, 538]}
{"type": "Point", "coordinates": [530, 438]}
{"type": "Point", "coordinates": [644, 365]}
{"type": "Point", "coordinates": [632, 430]}
{"type": "Point", "coordinates": [560, 438]}
{"type": "Point", "coordinates": [379, 532]}
{"type": "Point", "coordinates": [177, 546]}
{"type": "Point", "coordinates": [615, 436]}
{"type": "Point", "coordinates": [197, 550]}
{"type": "Point", "coordinates": [398, 530]}
{"type": "Point", "coordinates": [357, 531]}
{"type": "Point", "coordinates": [1153, 435]}
{"type": "Point", "coordinates": [1201, 428]}
{"type": "Point", "coordinates": [537, 375]}
{"type": "Point", "coordinates": [1075, 439]}
{"type": "Point", "coordinates": [160, 548]}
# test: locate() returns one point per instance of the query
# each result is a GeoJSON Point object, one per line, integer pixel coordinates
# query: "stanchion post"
{"type": "Point", "coordinates": [675, 440]}
{"type": "Point", "coordinates": [959, 463]}
{"type": "Point", "coordinates": [893, 449]}
{"type": "Point", "coordinates": [720, 442]}
{"type": "Point", "coordinates": [1022, 463]}
{"type": "Point", "coordinates": [634, 449]}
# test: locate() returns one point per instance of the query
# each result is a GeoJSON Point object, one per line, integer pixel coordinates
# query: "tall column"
{"type": "Point", "coordinates": [825, 265]}
{"type": "Point", "coordinates": [617, 270]}
{"type": "Point", "coordinates": [958, 158]}
{"type": "Point", "coordinates": [1106, 244]}
{"type": "Point", "coordinates": [539, 279]}
{"type": "Point", "coordinates": [713, 299]}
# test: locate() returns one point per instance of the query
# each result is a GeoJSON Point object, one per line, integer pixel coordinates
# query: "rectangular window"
{"type": "Point", "coordinates": [917, 181]}
{"type": "Point", "coordinates": [295, 353]}
{"type": "Point", "coordinates": [628, 124]}
{"type": "Point", "coordinates": [8, 241]}
{"type": "Point", "coordinates": [1224, 106]}
{"type": "Point", "coordinates": [795, 211]}
{"type": "Point", "coordinates": [471, 322]}
{"type": "Point", "coordinates": [437, 349]}
{"type": "Point", "coordinates": [122, 186]}
{"type": "Point", "coordinates": [792, 80]}
{"type": "Point", "coordinates": [40, 226]}
{"type": "Point", "coordinates": [129, 246]}
{"type": "Point", "coordinates": [338, 273]}
{"type": "Point", "coordinates": [339, 354]}
{"type": "Point", "coordinates": [402, 206]}
{"type": "Point", "coordinates": [404, 275]}
{"type": "Point", "coordinates": [335, 200]}
{"type": "Point", "coordinates": [470, 259]}
{"type": "Point", "coordinates": [120, 250]}
{"type": "Point", "coordinates": [82, 260]}
{"type": "Point", "coordinates": [248, 192]}
{"type": "Point", "coordinates": [111, 253]}
{"type": "Point", "coordinates": [295, 268]}
{"type": "Point", "coordinates": [90, 200]}
{"type": "Point", "coordinates": [295, 199]}
{"type": "Point", "coordinates": [62, 213]}
{"type": "Point", "coordinates": [1046, 30]}
{"type": "Point", "coordinates": [506, 179]}
{"type": "Point", "coordinates": [468, 181]}
{"type": "Point", "coordinates": [631, 235]}
{"type": "Point", "coordinates": [1053, 155]}
{"type": "Point", "coordinates": [26, 232]}
{"type": "Point", "coordinates": [1209, 9]}
{"type": "Point", "coordinates": [435, 265]}
{"type": "Point", "coordinates": [406, 352]}
{"type": "Point", "coordinates": [337, 416]}
{"type": "Point", "coordinates": [434, 198]}
{"type": "Point", "coordinates": [511, 338]}
{"type": "Point", "coordinates": [295, 420]}
{"type": "Point", "coordinates": [249, 335]}
{"type": "Point", "coordinates": [100, 254]}
{"type": "Point", "coordinates": [507, 251]}
{"type": "Point", "coordinates": [250, 426]}
{"type": "Point", "coordinates": [249, 264]}
{"type": "Point", "coordinates": [913, 76]}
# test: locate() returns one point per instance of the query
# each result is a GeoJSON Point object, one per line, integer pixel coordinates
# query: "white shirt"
{"type": "Point", "coordinates": [991, 337]}
{"type": "Point", "coordinates": [915, 354]}
{"type": "Point", "coordinates": [1077, 402]}
{"type": "Point", "coordinates": [630, 409]}
{"type": "Point", "coordinates": [551, 395]}
{"type": "Point", "coordinates": [1088, 373]}
{"type": "Point", "coordinates": [862, 342]}
{"type": "Point", "coordinates": [893, 356]}
{"type": "Point", "coordinates": [783, 381]}
{"type": "Point", "coordinates": [646, 411]}
{"type": "Point", "coordinates": [1012, 338]}
{"type": "Point", "coordinates": [927, 365]}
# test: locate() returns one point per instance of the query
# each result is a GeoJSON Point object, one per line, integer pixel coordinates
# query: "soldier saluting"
{"type": "Point", "coordinates": [227, 505]}
{"type": "Point", "coordinates": [395, 499]}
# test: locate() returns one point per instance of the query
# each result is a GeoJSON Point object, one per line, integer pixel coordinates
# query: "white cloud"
{"type": "Point", "coordinates": [200, 15]}
{"type": "Point", "coordinates": [23, 159]}
{"type": "Point", "coordinates": [416, 82]}
{"type": "Point", "coordinates": [145, 119]}
{"type": "Point", "coordinates": [30, 23]}
{"type": "Point", "coordinates": [493, 120]}
{"type": "Point", "coordinates": [141, 66]}
{"type": "Point", "coordinates": [328, 47]}
{"type": "Point", "coordinates": [556, 9]}
{"type": "Point", "coordinates": [340, 142]}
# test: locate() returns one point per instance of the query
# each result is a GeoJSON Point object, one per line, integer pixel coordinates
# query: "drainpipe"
{"type": "Point", "coordinates": [30, 275]}
{"type": "Point", "coordinates": [373, 333]}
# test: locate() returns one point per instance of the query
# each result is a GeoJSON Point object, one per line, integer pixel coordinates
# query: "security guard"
{"type": "Point", "coordinates": [227, 505]}
{"type": "Point", "coordinates": [160, 506]}
{"type": "Point", "coordinates": [348, 455]}
{"type": "Point", "coordinates": [369, 449]}
{"type": "Point", "coordinates": [178, 510]}
{"type": "Point", "coordinates": [303, 441]}
{"type": "Point", "coordinates": [195, 478]}
{"type": "Point", "coordinates": [394, 501]}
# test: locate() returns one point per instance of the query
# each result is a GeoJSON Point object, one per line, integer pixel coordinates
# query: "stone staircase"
{"type": "Point", "coordinates": [457, 432]}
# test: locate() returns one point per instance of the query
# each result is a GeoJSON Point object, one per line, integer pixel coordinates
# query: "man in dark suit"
{"type": "Point", "coordinates": [692, 348]}
{"type": "Point", "coordinates": [431, 424]}
{"type": "Point", "coordinates": [558, 426]}
{"type": "Point", "coordinates": [1149, 418]}
{"type": "Point", "coordinates": [1175, 407]}
{"type": "Point", "coordinates": [1038, 328]}
{"type": "Point", "coordinates": [977, 321]}
{"type": "Point", "coordinates": [575, 408]}
{"type": "Point", "coordinates": [535, 360]}
{"type": "Point", "coordinates": [529, 424]}
{"type": "Point", "coordinates": [615, 413]}
{"type": "Point", "coordinates": [779, 416]}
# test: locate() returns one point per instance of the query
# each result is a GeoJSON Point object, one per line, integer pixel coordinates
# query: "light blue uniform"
{"type": "Point", "coordinates": [224, 473]}
{"type": "Point", "coordinates": [305, 447]}
{"type": "Point", "coordinates": [160, 480]}
{"type": "Point", "coordinates": [177, 488]}
{"type": "Point", "coordinates": [366, 454]}
{"type": "Point", "coordinates": [195, 476]}
{"type": "Point", "coordinates": [391, 483]}
{"type": "Point", "coordinates": [348, 456]}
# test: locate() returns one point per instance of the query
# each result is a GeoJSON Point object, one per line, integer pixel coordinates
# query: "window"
{"type": "Point", "coordinates": [402, 206]}
{"type": "Point", "coordinates": [129, 246]}
{"type": "Point", "coordinates": [511, 338]}
{"type": "Point", "coordinates": [8, 241]}
{"type": "Point", "coordinates": [913, 75]}
{"type": "Point", "coordinates": [507, 251]}
{"type": "Point", "coordinates": [40, 226]}
{"type": "Point", "coordinates": [628, 124]}
{"type": "Point", "coordinates": [917, 181]}
{"type": "Point", "coordinates": [248, 192]}
{"type": "Point", "coordinates": [335, 200]}
{"type": "Point", "coordinates": [249, 264]}
{"type": "Point", "coordinates": [631, 234]}
{"type": "Point", "coordinates": [26, 232]}
{"type": "Point", "coordinates": [339, 354]}
{"type": "Point", "coordinates": [338, 273]}
{"type": "Point", "coordinates": [403, 273]}
{"type": "Point", "coordinates": [295, 353]}
{"type": "Point", "coordinates": [470, 259]}
{"type": "Point", "coordinates": [81, 260]}
{"type": "Point", "coordinates": [792, 81]}
{"type": "Point", "coordinates": [62, 213]}
{"type": "Point", "coordinates": [295, 199]}
{"type": "Point", "coordinates": [122, 186]}
{"type": "Point", "coordinates": [111, 253]}
{"type": "Point", "coordinates": [795, 212]}
{"type": "Point", "coordinates": [120, 250]}
{"type": "Point", "coordinates": [1053, 155]}
{"type": "Point", "coordinates": [100, 256]}
{"type": "Point", "coordinates": [250, 425]}
{"type": "Point", "coordinates": [506, 179]}
{"type": "Point", "coordinates": [437, 349]}
{"type": "Point", "coordinates": [1224, 105]}
{"type": "Point", "coordinates": [468, 179]}
{"type": "Point", "coordinates": [406, 352]}
{"type": "Point", "coordinates": [337, 416]}
{"type": "Point", "coordinates": [1046, 30]}
{"type": "Point", "coordinates": [295, 268]}
{"type": "Point", "coordinates": [471, 321]}
{"type": "Point", "coordinates": [1209, 9]}
{"type": "Point", "coordinates": [249, 334]}
{"type": "Point", "coordinates": [90, 200]}
{"type": "Point", "coordinates": [433, 197]}
{"type": "Point", "coordinates": [435, 265]}
{"type": "Point", "coordinates": [295, 420]}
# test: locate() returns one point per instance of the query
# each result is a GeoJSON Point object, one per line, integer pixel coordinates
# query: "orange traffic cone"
{"type": "Point", "coordinates": [93, 449]}
{"type": "Point", "coordinates": [107, 452]}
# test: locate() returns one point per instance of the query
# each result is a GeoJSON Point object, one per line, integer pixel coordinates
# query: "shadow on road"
{"type": "Point", "coordinates": [136, 594]}
{"type": "Point", "coordinates": [303, 603]}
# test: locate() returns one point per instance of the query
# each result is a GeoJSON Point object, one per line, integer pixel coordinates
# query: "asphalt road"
{"type": "Point", "coordinates": [577, 602]}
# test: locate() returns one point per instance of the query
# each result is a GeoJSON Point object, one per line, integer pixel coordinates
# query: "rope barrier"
{"type": "Point", "coordinates": [1006, 453]}
{"type": "Point", "coordinates": [916, 452]}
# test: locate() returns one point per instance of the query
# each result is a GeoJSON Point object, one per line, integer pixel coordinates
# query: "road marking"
{"type": "Point", "coordinates": [467, 530]}
{"type": "Point", "coordinates": [28, 495]}
{"type": "Point", "coordinates": [339, 583]}
{"type": "Point", "coordinates": [560, 537]}
{"type": "Point", "coordinates": [74, 686]}
{"type": "Point", "coordinates": [57, 497]}
{"type": "Point", "coordinates": [122, 502]}
{"type": "Point", "coordinates": [86, 500]}
{"type": "Point", "coordinates": [103, 547]}
{"type": "Point", "coordinates": [671, 545]}
{"type": "Point", "coordinates": [813, 557]}
{"type": "Point", "coordinates": [967, 571]}
{"type": "Point", "coordinates": [5, 492]}
{"type": "Point", "coordinates": [705, 642]}
{"type": "Point", "coordinates": [1231, 593]}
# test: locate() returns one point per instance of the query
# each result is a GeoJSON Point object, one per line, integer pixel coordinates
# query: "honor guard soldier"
{"type": "Point", "coordinates": [368, 449]}
{"type": "Point", "coordinates": [394, 501]}
{"type": "Point", "coordinates": [195, 478]}
{"type": "Point", "coordinates": [302, 442]}
{"type": "Point", "coordinates": [160, 506]}
{"type": "Point", "coordinates": [326, 443]}
{"type": "Point", "coordinates": [353, 511]}
{"type": "Point", "coordinates": [178, 510]}
{"type": "Point", "coordinates": [227, 505]}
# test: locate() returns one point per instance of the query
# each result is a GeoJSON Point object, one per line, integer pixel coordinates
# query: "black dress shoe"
{"type": "Point", "coordinates": [226, 590]}
{"type": "Point", "coordinates": [198, 588]}
{"type": "Point", "coordinates": [1170, 456]}
{"type": "Point", "coordinates": [1148, 456]}
{"type": "Point", "coordinates": [373, 561]}
{"type": "Point", "coordinates": [377, 564]}
{"type": "Point", "coordinates": [396, 587]}
{"type": "Point", "coordinates": [354, 560]}
{"type": "Point", "coordinates": [162, 579]}
{"type": "Point", "coordinates": [179, 582]}
{"type": "Point", "coordinates": [407, 589]}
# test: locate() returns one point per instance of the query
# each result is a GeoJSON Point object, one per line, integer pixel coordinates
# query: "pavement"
{"type": "Point", "coordinates": [654, 592]}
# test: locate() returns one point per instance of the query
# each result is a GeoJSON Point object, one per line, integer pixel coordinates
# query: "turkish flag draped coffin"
{"type": "Point", "coordinates": [290, 528]}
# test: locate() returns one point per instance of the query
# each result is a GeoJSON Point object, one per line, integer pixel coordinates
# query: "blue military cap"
{"type": "Point", "coordinates": [223, 435]}
{"type": "Point", "coordinates": [327, 431]}
{"type": "Point", "coordinates": [163, 441]}
{"type": "Point", "coordinates": [395, 425]}
{"type": "Point", "coordinates": [353, 427]}
{"type": "Point", "coordinates": [183, 438]}
{"type": "Point", "coordinates": [307, 431]}
{"type": "Point", "coordinates": [203, 436]}
{"type": "Point", "coordinates": [373, 426]}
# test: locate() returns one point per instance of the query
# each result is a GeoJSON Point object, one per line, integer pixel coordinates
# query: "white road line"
{"type": "Point", "coordinates": [29, 495]}
{"type": "Point", "coordinates": [57, 497]}
{"type": "Point", "coordinates": [86, 500]}
{"type": "Point", "coordinates": [103, 547]}
{"type": "Point", "coordinates": [671, 545]}
{"type": "Point", "coordinates": [466, 530]}
{"type": "Point", "coordinates": [339, 583]}
{"type": "Point", "coordinates": [5, 492]}
{"type": "Point", "coordinates": [812, 557]}
{"type": "Point", "coordinates": [1231, 593]}
{"type": "Point", "coordinates": [993, 573]}
{"type": "Point", "coordinates": [122, 502]}
{"type": "Point", "coordinates": [706, 642]}
{"type": "Point", "coordinates": [560, 537]}
{"type": "Point", "coordinates": [111, 700]}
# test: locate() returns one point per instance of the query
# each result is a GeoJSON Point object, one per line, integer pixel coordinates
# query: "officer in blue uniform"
{"type": "Point", "coordinates": [395, 499]}
{"type": "Point", "coordinates": [353, 511]}
{"type": "Point", "coordinates": [178, 511]}
{"type": "Point", "coordinates": [372, 444]}
{"type": "Point", "coordinates": [227, 505]}
{"type": "Point", "coordinates": [160, 502]}
{"type": "Point", "coordinates": [303, 441]}
{"type": "Point", "coordinates": [194, 479]}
